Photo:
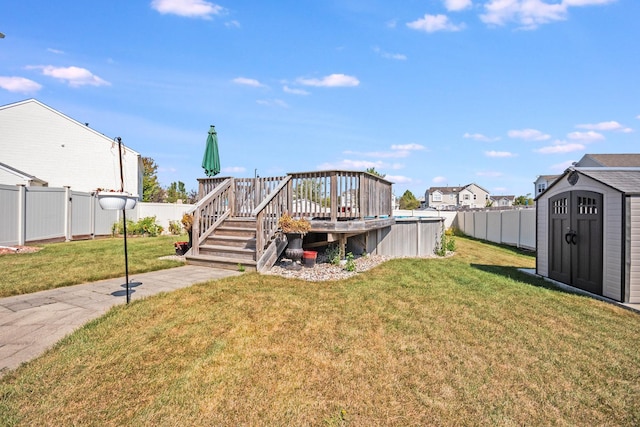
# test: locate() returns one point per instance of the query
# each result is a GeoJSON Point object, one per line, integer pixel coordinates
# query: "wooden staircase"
{"type": "Point", "coordinates": [231, 245]}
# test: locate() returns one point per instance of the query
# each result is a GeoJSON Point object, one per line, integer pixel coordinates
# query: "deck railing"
{"type": "Point", "coordinates": [210, 212]}
{"type": "Point", "coordinates": [340, 195]}
{"type": "Point", "coordinates": [268, 213]}
{"type": "Point", "coordinates": [249, 192]}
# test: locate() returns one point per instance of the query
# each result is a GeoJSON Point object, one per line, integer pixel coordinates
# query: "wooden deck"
{"type": "Point", "coordinates": [339, 204]}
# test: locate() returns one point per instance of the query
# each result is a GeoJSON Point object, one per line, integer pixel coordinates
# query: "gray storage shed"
{"type": "Point", "coordinates": [588, 231]}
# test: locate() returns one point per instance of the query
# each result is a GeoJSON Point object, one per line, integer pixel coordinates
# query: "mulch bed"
{"type": "Point", "coordinates": [7, 250]}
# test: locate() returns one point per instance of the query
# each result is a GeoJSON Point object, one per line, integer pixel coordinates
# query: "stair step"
{"type": "Point", "coordinates": [228, 252]}
{"type": "Point", "coordinates": [225, 230]}
{"type": "Point", "coordinates": [232, 241]}
{"type": "Point", "coordinates": [225, 263]}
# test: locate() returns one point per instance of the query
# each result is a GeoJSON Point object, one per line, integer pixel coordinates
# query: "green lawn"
{"type": "Point", "coordinates": [464, 340]}
{"type": "Point", "coordinates": [70, 263]}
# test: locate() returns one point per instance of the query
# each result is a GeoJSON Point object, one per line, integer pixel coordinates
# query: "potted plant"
{"type": "Point", "coordinates": [187, 223]}
{"type": "Point", "coordinates": [295, 229]}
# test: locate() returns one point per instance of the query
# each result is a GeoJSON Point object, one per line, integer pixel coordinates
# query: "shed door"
{"type": "Point", "coordinates": [575, 239]}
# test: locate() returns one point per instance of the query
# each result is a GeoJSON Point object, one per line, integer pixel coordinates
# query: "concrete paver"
{"type": "Point", "coordinates": [32, 323]}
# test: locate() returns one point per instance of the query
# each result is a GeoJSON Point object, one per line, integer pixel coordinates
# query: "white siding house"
{"type": "Point", "coordinates": [38, 141]}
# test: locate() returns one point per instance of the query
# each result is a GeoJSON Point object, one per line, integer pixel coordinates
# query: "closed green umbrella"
{"type": "Point", "coordinates": [211, 160]}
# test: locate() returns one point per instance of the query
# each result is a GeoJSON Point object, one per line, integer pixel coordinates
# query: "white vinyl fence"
{"type": "Point", "coordinates": [511, 227]}
{"type": "Point", "coordinates": [33, 214]}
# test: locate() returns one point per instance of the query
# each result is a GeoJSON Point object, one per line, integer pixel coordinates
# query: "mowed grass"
{"type": "Point", "coordinates": [464, 340]}
{"type": "Point", "coordinates": [71, 263]}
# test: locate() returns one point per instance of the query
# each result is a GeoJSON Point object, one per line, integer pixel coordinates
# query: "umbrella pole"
{"type": "Point", "coordinates": [124, 221]}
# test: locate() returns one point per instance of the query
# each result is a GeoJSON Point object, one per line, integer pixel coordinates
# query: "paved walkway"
{"type": "Point", "coordinates": [32, 323]}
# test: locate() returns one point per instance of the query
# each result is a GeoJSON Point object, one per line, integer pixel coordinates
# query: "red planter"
{"type": "Point", "coordinates": [309, 258]}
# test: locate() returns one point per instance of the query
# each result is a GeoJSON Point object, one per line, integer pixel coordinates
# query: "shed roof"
{"type": "Point", "coordinates": [625, 180]}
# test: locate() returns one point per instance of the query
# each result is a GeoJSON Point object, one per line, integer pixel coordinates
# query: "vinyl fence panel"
{"type": "Point", "coordinates": [45, 213]}
{"type": "Point", "coordinates": [9, 210]}
{"type": "Point", "coordinates": [81, 214]}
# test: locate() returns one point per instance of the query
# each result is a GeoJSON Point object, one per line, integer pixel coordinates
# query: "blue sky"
{"type": "Point", "coordinates": [430, 92]}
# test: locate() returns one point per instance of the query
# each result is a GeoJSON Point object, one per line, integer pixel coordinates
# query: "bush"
{"type": "Point", "coordinates": [146, 226]}
{"type": "Point", "coordinates": [175, 227]}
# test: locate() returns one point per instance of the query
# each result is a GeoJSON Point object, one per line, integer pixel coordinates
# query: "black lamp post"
{"type": "Point", "coordinates": [124, 219]}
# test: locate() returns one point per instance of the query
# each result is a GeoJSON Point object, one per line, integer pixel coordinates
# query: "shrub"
{"type": "Point", "coordinates": [145, 226]}
{"type": "Point", "coordinates": [175, 227]}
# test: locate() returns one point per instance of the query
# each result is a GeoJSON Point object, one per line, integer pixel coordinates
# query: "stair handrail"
{"type": "Point", "coordinates": [210, 212]}
{"type": "Point", "coordinates": [268, 212]}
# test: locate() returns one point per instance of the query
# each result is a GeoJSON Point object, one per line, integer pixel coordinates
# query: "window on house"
{"type": "Point", "coordinates": [466, 197]}
{"type": "Point", "coordinates": [541, 187]}
{"type": "Point", "coordinates": [474, 197]}
{"type": "Point", "coordinates": [436, 197]}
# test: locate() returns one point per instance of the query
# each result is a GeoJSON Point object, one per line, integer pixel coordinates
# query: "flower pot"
{"type": "Point", "coordinates": [131, 202]}
{"type": "Point", "coordinates": [294, 247]}
{"type": "Point", "coordinates": [309, 258]}
{"type": "Point", "coordinates": [112, 201]}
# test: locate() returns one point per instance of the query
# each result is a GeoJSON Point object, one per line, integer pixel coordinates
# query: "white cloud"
{"type": "Point", "coordinates": [455, 5]}
{"type": "Point", "coordinates": [528, 135]}
{"type": "Point", "coordinates": [407, 147]}
{"type": "Point", "coordinates": [398, 179]}
{"type": "Point", "coordinates": [351, 165]}
{"type": "Point", "coordinates": [479, 137]}
{"type": "Point", "coordinates": [433, 23]}
{"type": "Point", "coordinates": [273, 103]}
{"type": "Point", "coordinates": [560, 147]}
{"type": "Point", "coordinates": [333, 80]}
{"type": "Point", "coordinates": [232, 24]}
{"type": "Point", "coordinates": [56, 51]}
{"type": "Point", "coordinates": [234, 169]}
{"type": "Point", "coordinates": [499, 154]}
{"type": "Point", "coordinates": [605, 126]}
{"type": "Point", "coordinates": [490, 174]}
{"type": "Point", "coordinates": [19, 84]}
{"type": "Point", "coordinates": [74, 76]}
{"type": "Point", "coordinates": [387, 55]}
{"type": "Point", "coordinates": [529, 14]}
{"type": "Point", "coordinates": [439, 179]}
{"type": "Point", "coordinates": [586, 2]}
{"type": "Point", "coordinates": [247, 82]}
{"type": "Point", "coordinates": [294, 91]}
{"type": "Point", "coordinates": [589, 136]}
{"type": "Point", "coordinates": [188, 8]}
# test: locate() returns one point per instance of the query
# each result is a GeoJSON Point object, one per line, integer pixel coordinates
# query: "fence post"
{"type": "Point", "coordinates": [67, 213]}
{"type": "Point", "coordinates": [92, 214]}
{"type": "Point", "coordinates": [22, 217]}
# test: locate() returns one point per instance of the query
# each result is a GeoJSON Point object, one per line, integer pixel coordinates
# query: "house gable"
{"type": "Point", "coordinates": [62, 151]}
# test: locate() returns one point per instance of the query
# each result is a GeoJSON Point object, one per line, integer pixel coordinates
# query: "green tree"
{"type": "Point", "coordinates": [523, 200]}
{"type": "Point", "coordinates": [309, 189]}
{"type": "Point", "coordinates": [151, 189]}
{"type": "Point", "coordinates": [409, 201]}
{"type": "Point", "coordinates": [373, 171]}
{"type": "Point", "coordinates": [176, 191]}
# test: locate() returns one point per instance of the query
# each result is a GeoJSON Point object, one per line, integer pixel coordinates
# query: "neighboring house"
{"type": "Point", "coordinates": [502, 201]}
{"type": "Point", "coordinates": [470, 196]}
{"type": "Point", "coordinates": [543, 182]}
{"type": "Point", "coordinates": [13, 176]}
{"type": "Point", "coordinates": [38, 141]}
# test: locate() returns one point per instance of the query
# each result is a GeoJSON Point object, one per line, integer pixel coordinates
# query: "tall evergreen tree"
{"type": "Point", "coordinates": [151, 189]}
{"type": "Point", "coordinates": [409, 201]}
